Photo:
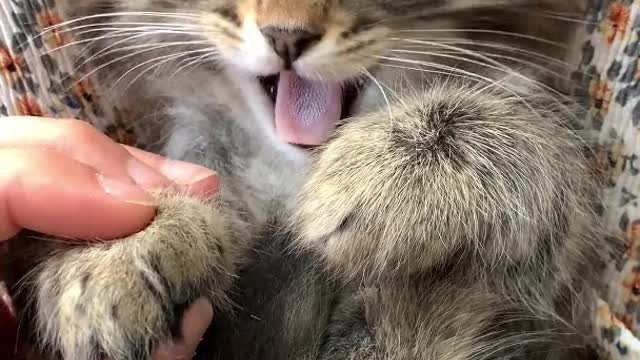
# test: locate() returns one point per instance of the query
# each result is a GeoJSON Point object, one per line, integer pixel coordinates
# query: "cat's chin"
{"type": "Point", "coordinates": [341, 103]}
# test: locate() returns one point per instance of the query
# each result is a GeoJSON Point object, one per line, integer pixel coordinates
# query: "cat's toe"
{"type": "Point", "coordinates": [116, 306]}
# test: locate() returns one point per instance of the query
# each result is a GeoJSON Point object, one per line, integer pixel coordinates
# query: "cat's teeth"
{"type": "Point", "coordinates": [272, 90]}
{"type": "Point", "coordinates": [270, 86]}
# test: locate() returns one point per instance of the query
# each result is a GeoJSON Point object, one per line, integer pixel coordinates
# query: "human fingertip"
{"type": "Point", "coordinates": [125, 192]}
{"type": "Point", "coordinates": [205, 188]}
{"type": "Point", "coordinates": [185, 173]}
{"type": "Point", "coordinates": [145, 176]}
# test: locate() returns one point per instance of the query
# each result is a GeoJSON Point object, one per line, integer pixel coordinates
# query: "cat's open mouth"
{"type": "Point", "coordinates": [308, 112]}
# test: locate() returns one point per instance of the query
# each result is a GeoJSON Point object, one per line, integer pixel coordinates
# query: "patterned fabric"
{"type": "Point", "coordinates": [37, 78]}
{"type": "Point", "coordinates": [610, 78]}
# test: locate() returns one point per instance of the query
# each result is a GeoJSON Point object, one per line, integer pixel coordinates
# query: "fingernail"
{"type": "Point", "coordinates": [145, 176]}
{"type": "Point", "coordinates": [126, 192]}
{"type": "Point", "coordinates": [206, 188]}
{"type": "Point", "coordinates": [185, 173]}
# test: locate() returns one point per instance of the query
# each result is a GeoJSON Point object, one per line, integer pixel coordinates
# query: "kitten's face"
{"type": "Point", "coordinates": [325, 40]}
{"type": "Point", "coordinates": [311, 56]}
{"type": "Point", "coordinates": [314, 58]}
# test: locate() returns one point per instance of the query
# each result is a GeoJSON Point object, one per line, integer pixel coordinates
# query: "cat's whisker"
{"type": "Point", "coordinates": [429, 71]}
{"type": "Point", "coordinates": [558, 16]}
{"type": "Point", "coordinates": [507, 48]}
{"type": "Point", "coordinates": [486, 31]}
{"type": "Point", "coordinates": [491, 64]}
{"type": "Point", "coordinates": [97, 54]}
{"type": "Point", "coordinates": [502, 343]}
{"type": "Point", "coordinates": [574, 14]}
{"type": "Point", "coordinates": [396, 94]}
{"type": "Point", "coordinates": [131, 33]}
{"type": "Point", "coordinates": [136, 29]}
{"type": "Point", "coordinates": [452, 55]}
{"type": "Point", "coordinates": [90, 40]}
{"type": "Point", "coordinates": [531, 64]}
{"type": "Point", "coordinates": [104, 53]}
{"type": "Point", "coordinates": [569, 106]}
{"type": "Point", "coordinates": [382, 91]}
{"type": "Point", "coordinates": [125, 25]}
{"type": "Point", "coordinates": [460, 50]}
{"type": "Point", "coordinates": [195, 62]}
{"type": "Point", "coordinates": [468, 73]}
{"type": "Point", "coordinates": [127, 56]}
{"type": "Point", "coordinates": [156, 62]}
{"type": "Point", "coordinates": [184, 16]}
{"type": "Point", "coordinates": [129, 37]}
{"type": "Point", "coordinates": [65, 25]}
{"type": "Point", "coordinates": [568, 17]}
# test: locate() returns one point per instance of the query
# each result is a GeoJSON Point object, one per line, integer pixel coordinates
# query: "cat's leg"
{"type": "Point", "coordinates": [483, 186]}
{"type": "Point", "coordinates": [442, 317]}
{"type": "Point", "coordinates": [121, 298]}
{"type": "Point", "coordinates": [440, 321]}
{"type": "Point", "coordinates": [455, 172]}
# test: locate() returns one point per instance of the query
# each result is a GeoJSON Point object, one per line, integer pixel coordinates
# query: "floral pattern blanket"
{"type": "Point", "coordinates": [36, 78]}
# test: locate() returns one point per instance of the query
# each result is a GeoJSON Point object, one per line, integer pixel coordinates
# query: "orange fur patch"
{"type": "Point", "coordinates": [310, 15]}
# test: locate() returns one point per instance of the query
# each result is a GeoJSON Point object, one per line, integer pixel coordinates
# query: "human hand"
{"type": "Point", "coordinates": [65, 178]}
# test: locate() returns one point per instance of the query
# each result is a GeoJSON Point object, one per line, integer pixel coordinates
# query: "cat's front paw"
{"type": "Point", "coordinates": [121, 299]}
{"type": "Point", "coordinates": [454, 173]}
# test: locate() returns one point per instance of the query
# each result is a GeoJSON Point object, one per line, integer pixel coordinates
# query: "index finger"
{"type": "Point", "coordinates": [81, 142]}
{"type": "Point", "coordinates": [195, 180]}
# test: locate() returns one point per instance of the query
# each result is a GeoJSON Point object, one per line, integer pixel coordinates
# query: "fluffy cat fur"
{"type": "Point", "coordinates": [451, 216]}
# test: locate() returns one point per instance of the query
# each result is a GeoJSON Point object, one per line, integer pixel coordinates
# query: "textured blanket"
{"type": "Point", "coordinates": [36, 79]}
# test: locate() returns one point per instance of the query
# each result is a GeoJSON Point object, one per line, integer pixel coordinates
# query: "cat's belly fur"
{"type": "Point", "coordinates": [289, 307]}
{"type": "Point", "coordinates": [283, 307]}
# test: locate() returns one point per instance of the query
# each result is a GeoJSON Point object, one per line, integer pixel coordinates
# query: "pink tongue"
{"type": "Point", "coordinates": [306, 112]}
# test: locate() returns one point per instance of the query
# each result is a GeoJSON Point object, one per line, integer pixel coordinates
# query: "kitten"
{"type": "Point", "coordinates": [401, 179]}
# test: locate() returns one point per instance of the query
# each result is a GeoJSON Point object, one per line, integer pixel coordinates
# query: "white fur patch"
{"type": "Point", "coordinates": [256, 54]}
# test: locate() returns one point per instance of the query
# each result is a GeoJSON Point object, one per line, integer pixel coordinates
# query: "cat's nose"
{"type": "Point", "coordinates": [289, 44]}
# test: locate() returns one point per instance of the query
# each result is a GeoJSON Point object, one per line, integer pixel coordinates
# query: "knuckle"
{"type": "Point", "coordinates": [78, 130]}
